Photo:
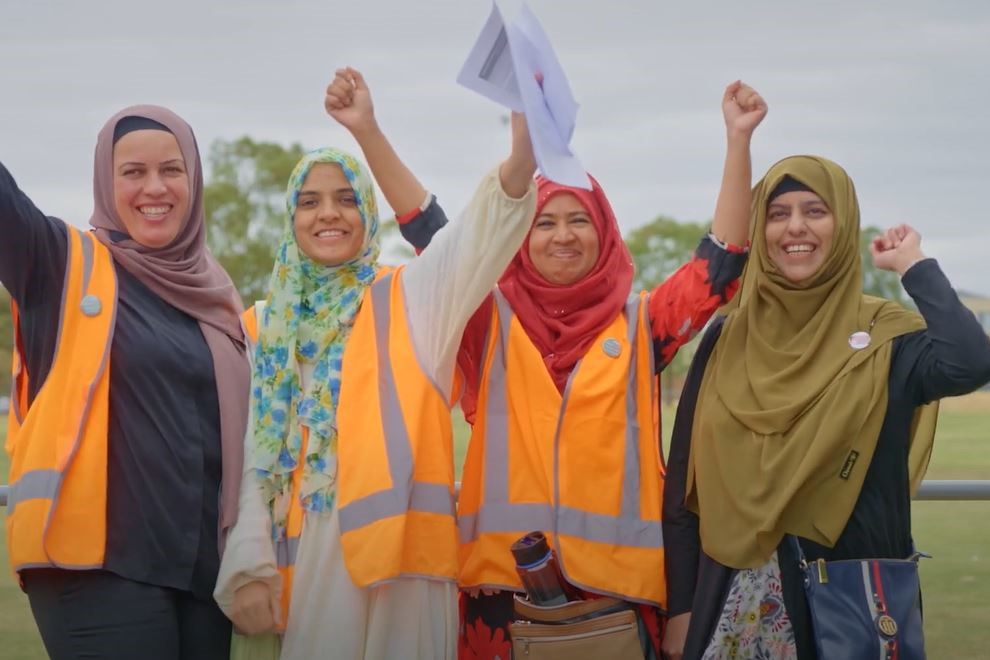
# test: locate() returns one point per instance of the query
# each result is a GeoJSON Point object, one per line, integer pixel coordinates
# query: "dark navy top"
{"type": "Point", "coordinates": [163, 459]}
{"type": "Point", "coordinates": [949, 357]}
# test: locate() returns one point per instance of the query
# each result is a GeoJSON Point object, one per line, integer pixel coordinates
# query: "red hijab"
{"type": "Point", "coordinates": [563, 320]}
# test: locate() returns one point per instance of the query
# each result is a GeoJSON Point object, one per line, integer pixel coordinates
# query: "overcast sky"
{"type": "Point", "coordinates": [895, 91]}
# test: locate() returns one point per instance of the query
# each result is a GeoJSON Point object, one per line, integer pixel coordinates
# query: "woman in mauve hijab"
{"type": "Point", "coordinates": [115, 525]}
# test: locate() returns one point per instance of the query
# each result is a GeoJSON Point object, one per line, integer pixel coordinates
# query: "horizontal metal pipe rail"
{"type": "Point", "coordinates": [953, 489]}
{"type": "Point", "coordinates": [944, 490]}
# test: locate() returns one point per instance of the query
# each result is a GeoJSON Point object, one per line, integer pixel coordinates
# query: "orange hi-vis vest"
{"type": "Point", "coordinates": [395, 475]}
{"type": "Point", "coordinates": [57, 505]}
{"type": "Point", "coordinates": [395, 483]}
{"type": "Point", "coordinates": [584, 466]}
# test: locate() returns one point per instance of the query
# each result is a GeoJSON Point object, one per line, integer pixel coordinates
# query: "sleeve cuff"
{"type": "Point", "coordinates": [729, 247]}
{"type": "Point", "coordinates": [914, 269]}
{"type": "Point", "coordinates": [530, 192]}
{"type": "Point", "coordinates": [411, 215]}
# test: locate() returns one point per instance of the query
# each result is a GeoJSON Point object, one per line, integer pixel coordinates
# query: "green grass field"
{"type": "Point", "coordinates": [956, 582]}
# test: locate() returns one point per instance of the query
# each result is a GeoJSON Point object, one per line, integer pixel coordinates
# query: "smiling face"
{"type": "Point", "coordinates": [799, 232]}
{"type": "Point", "coordinates": [150, 186]}
{"type": "Point", "coordinates": [563, 243]}
{"type": "Point", "coordinates": [327, 222]}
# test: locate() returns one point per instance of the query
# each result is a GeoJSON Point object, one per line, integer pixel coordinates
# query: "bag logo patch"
{"type": "Point", "coordinates": [886, 625]}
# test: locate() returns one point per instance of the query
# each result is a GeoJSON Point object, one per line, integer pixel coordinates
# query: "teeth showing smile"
{"type": "Point", "coordinates": [329, 233]}
{"type": "Point", "coordinates": [154, 210]}
{"type": "Point", "coordinates": [793, 249]}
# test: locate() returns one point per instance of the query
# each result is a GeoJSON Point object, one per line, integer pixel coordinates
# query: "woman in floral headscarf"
{"type": "Point", "coordinates": [347, 543]}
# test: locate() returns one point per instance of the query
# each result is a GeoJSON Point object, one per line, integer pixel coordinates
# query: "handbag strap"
{"type": "Point", "coordinates": [915, 555]}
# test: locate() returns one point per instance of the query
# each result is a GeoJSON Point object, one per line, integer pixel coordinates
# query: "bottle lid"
{"type": "Point", "coordinates": [530, 549]}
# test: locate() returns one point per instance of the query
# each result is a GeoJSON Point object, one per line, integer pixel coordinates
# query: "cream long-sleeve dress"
{"type": "Point", "coordinates": [409, 617]}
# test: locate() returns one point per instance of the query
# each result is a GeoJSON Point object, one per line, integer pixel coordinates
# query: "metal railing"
{"type": "Point", "coordinates": [953, 489]}
{"type": "Point", "coordinates": [931, 490]}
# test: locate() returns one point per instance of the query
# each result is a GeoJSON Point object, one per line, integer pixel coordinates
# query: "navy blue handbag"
{"type": "Point", "coordinates": [865, 609]}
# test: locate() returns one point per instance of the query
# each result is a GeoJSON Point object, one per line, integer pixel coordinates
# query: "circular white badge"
{"type": "Point", "coordinates": [91, 305]}
{"type": "Point", "coordinates": [612, 347]}
{"type": "Point", "coordinates": [859, 340]}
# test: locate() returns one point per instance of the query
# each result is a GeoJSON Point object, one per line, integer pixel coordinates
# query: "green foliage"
{"type": "Point", "coordinates": [658, 249]}
{"type": "Point", "coordinates": [245, 206]}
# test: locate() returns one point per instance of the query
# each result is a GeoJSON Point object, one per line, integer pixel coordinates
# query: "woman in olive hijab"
{"type": "Point", "coordinates": [805, 414]}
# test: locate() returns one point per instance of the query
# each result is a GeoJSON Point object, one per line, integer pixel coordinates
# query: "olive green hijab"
{"type": "Point", "coordinates": [789, 410]}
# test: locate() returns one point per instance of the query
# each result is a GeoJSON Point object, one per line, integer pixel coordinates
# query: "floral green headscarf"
{"type": "Point", "coordinates": [306, 319]}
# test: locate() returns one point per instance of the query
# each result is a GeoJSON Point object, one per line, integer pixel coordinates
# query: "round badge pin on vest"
{"type": "Point", "coordinates": [612, 347]}
{"type": "Point", "coordinates": [859, 340]}
{"type": "Point", "coordinates": [91, 305]}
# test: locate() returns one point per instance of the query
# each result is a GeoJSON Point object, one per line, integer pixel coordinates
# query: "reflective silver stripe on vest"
{"type": "Point", "coordinates": [286, 551]}
{"type": "Point", "coordinates": [497, 514]}
{"type": "Point", "coordinates": [405, 494]}
{"type": "Point", "coordinates": [630, 480]}
{"type": "Point", "coordinates": [33, 485]}
{"type": "Point", "coordinates": [87, 254]}
{"type": "Point", "coordinates": [497, 412]}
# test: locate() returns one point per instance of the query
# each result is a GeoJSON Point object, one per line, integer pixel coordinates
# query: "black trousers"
{"type": "Point", "coordinates": [97, 614]}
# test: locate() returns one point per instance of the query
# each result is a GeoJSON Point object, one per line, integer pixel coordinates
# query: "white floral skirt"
{"type": "Point", "coordinates": [754, 622]}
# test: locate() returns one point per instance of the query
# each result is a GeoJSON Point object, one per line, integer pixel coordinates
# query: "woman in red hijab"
{"type": "Point", "coordinates": [559, 370]}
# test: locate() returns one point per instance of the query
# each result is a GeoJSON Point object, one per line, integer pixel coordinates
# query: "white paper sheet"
{"type": "Point", "coordinates": [503, 65]}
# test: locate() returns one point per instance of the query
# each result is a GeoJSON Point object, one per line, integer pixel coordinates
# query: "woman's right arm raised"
{"type": "Point", "coordinates": [32, 247]}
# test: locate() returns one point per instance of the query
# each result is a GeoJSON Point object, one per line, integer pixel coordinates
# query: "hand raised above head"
{"type": "Point", "coordinates": [743, 108]}
{"type": "Point", "coordinates": [348, 101]}
{"type": "Point", "coordinates": [516, 172]}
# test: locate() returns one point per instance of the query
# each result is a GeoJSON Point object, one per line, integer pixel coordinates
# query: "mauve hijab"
{"type": "Point", "coordinates": [185, 275]}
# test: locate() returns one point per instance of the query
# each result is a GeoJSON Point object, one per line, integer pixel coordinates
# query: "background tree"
{"type": "Point", "coordinates": [245, 208]}
{"type": "Point", "coordinates": [658, 249]}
